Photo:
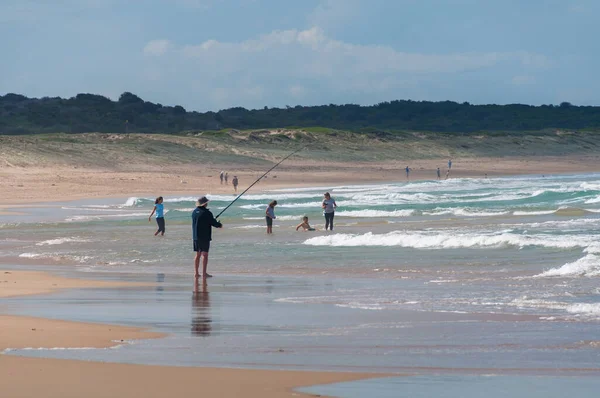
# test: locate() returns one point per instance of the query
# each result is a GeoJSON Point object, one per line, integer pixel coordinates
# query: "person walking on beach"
{"type": "Point", "coordinates": [160, 216]}
{"type": "Point", "coordinates": [449, 164]}
{"type": "Point", "coordinates": [235, 183]}
{"type": "Point", "coordinates": [329, 207]}
{"type": "Point", "coordinates": [407, 169]}
{"type": "Point", "coordinates": [270, 216]}
{"type": "Point", "coordinates": [221, 175]}
{"type": "Point", "coordinates": [226, 177]}
{"type": "Point", "coordinates": [202, 223]}
{"type": "Point", "coordinates": [447, 174]}
{"type": "Point", "coordinates": [438, 173]}
{"type": "Point", "coordinates": [305, 225]}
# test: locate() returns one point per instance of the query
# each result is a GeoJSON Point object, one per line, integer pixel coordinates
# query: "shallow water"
{"type": "Point", "coordinates": [425, 277]}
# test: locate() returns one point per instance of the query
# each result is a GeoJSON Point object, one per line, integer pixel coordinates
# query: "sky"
{"type": "Point", "coordinates": [216, 54]}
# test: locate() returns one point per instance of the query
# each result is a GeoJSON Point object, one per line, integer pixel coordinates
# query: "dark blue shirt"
{"type": "Point", "coordinates": [202, 223]}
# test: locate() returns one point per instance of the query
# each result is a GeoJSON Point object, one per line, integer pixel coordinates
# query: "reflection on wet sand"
{"type": "Point", "coordinates": [201, 320]}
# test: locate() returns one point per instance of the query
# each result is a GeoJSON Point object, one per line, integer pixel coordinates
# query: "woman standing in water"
{"type": "Point", "coordinates": [329, 207]}
{"type": "Point", "coordinates": [270, 216]}
{"type": "Point", "coordinates": [160, 216]}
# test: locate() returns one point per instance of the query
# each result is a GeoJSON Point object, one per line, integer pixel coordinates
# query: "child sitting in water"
{"type": "Point", "coordinates": [305, 225]}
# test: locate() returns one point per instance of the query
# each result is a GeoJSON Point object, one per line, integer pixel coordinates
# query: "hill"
{"type": "Point", "coordinates": [131, 114]}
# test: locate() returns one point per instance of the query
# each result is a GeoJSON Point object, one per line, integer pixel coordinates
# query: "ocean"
{"type": "Point", "coordinates": [472, 276]}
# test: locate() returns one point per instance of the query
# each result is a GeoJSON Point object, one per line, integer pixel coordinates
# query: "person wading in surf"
{"type": "Point", "coordinates": [160, 216]}
{"type": "Point", "coordinates": [329, 207]}
{"type": "Point", "coordinates": [202, 223]}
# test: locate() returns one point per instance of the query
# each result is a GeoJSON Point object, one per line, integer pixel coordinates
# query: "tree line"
{"type": "Point", "coordinates": [95, 113]}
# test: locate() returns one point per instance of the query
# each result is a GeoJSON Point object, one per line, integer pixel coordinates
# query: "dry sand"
{"type": "Point", "coordinates": [53, 378]}
{"type": "Point", "coordinates": [48, 184]}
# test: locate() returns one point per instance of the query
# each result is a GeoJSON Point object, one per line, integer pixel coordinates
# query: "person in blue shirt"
{"type": "Point", "coordinates": [202, 223]}
{"type": "Point", "coordinates": [160, 216]}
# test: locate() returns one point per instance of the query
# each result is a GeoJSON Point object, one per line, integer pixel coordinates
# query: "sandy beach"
{"type": "Point", "coordinates": [26, 377]}
{"type": "Point", "coordinates": [41, 184]}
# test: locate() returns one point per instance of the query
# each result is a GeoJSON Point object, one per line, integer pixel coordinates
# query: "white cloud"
{"type": "Point", "coordinates": [321, 55]}
{"type": "Point", "coordinates": [157, 47]}
{"type": "Point", "coordinates": [291, 65]}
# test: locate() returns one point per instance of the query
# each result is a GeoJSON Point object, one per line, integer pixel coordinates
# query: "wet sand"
{"type": "Point", "coordinates": [51, 378]}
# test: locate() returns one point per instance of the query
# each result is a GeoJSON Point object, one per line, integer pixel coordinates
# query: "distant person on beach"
{"type": "Point", "coordinates": [221, 176]}
{"type": "Point", "coordinates": [447, 174]}
{"type": "Point", "coordinates": [438, 173]}
{"type": "Point", "coordinates": [235, 183]}
{"type": "Point", "coordinates": [226, 178]}
{"type": "Point", "coordinates": [329, 207]}
{"type": "Point", "coordinates": [160, 216]}
{"type": "Point", "coordinates": [449, 164]}
{"type": "Point", "coordinates": [202, 223]}
{"type": "Point", "coordinates": [407, 169]}
{"type": "Point", "coordinates": [305, 225]}
{"type": "Point", "coordinates": [270, 216]}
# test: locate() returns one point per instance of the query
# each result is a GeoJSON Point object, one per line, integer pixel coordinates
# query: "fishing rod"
{"type": "Point", "coordinates": [259, 178]}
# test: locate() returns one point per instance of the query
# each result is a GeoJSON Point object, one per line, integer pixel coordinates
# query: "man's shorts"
{"type": "Point", "coordinates": [201, 246]}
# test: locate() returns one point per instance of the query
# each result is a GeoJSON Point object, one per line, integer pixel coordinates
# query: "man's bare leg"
{"type": "Point", "coordinates": [205, 265]}
{"type": "Point", "coordinates": [197, 264]}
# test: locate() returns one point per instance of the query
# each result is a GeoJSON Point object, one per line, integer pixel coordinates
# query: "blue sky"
{"type": "Point", "coordinates": [214, 54]}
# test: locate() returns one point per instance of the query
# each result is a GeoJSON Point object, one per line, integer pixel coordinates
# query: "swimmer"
{"type": "Point", "coordinates": [305, 225]}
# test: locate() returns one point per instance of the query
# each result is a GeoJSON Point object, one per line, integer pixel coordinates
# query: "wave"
{"type": "Point", "coordinates": [375, 213]}
{"type": "Point", "coordinates": [584, 308]}
{"type": "Point", "coordinates": [103, 217]}
{"type": "Point", "coordinates": [60, 241]}
{"type": "Point", "coordinates": [589, 265]}
{"type": "Point", "coordinates": [292, 205]}
{"type": "Point", "coordinates": [56, 257]}
{"type": "Point", "coordinates": [464, 212]}
{"type": "Point", "coordinates": [280, 218]}
{"type": "Point", "coordinates": [433, 240]}
{"type": "Point", "coordinates": [571, 212]}
{"type": "Point", "coordinates": [593, 200]}
{"type": "Point", "coordinates": [534, 213]}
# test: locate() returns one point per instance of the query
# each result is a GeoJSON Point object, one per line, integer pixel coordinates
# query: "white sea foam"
{"type": "Point", "coordinates": [292, 205]}
{"type": "Point", "coordinates": [31, 255]}
{"type": "Point", "coordinates": [57, 256]}
{"type": "Point", "coordinates": [584, 308]}
{"type": "Point", "coordinates": [104, 216]}
{"type": "Point", "coordinates": [449, 240]}
{"type": "Point", "coordinates": [589, 265]}
{"type": "Point", "coordinates": [534, 212]}
{"type": "Point", "coordinates": [593, 200]}
{"type": "Point", "coordinates": [132, 201]}
{"type": "Point", "coordinates": [375, 213]}
{"type": "Point", "coordinates": [464, 212]}
{"type": "Point", "coordinates": [253, 226]}
{"type": "Point", "coordinates": [60, 241]}
{"type": "Point", "coordinates": [280, 218]}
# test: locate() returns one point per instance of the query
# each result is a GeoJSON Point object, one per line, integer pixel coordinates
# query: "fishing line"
{"type": "Point", "coordinates": [259, 178]}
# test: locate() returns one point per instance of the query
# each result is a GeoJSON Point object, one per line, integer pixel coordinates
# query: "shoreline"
{"type": "Point", "coordinates": [72, 378]}
{"type": "Point", "coordinates": [37, 185]}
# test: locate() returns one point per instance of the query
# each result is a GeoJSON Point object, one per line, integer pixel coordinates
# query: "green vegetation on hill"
{"type": "Point", "coordinates": [131, 114]}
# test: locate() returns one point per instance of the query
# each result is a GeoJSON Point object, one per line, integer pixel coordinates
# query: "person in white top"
{"type": "Point", "coordinates": [329, 207]}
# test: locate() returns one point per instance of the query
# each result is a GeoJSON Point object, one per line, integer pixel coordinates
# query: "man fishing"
{"type": "Point", "coordinates": [202, 223]}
